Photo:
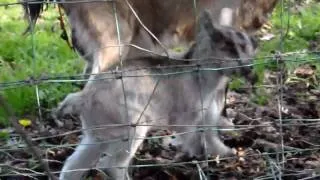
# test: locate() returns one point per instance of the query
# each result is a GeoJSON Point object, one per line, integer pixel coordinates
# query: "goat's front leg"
{"type": "Point", "coordinates": [215, 145]}
{"type": "Point", "coordinates": [221, 96]}
{"type": "Point", "coordinates": [84, 158]}
{"type": "Point", "coordinates": [70, 105]}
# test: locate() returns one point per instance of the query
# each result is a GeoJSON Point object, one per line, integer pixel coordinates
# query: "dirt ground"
{"type": "Point", "coordinates": [257, 139]}
{"type": "Point", "coordinates": [259, 136]}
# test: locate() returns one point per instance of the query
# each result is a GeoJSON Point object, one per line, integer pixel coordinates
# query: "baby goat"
{"type": "Point", "coordinates": [118, 109]}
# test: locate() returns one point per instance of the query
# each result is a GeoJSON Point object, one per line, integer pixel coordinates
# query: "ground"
{"type": "Point", "coordinates": [279, 114]}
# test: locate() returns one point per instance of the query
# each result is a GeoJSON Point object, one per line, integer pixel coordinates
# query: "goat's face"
{"type": "Point", "coordinates": [226, 47]}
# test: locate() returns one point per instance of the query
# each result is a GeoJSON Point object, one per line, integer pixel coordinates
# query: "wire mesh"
{"type": "Point", "coordinates": [276, 162]}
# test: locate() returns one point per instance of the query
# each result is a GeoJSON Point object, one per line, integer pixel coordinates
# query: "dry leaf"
{"type": "Point", "coordinates": [304, 71]}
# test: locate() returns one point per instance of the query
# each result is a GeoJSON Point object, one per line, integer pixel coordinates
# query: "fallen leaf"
{"type": "Point", "coordinates": [25, 122]}
{"type": "Point", "coordinates": [304, 71]}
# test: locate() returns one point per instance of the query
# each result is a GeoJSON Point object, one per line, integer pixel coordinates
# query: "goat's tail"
{"type": "Point", "coordinates": [32, 10]}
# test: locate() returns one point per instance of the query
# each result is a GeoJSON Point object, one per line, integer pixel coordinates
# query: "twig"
{"type": "Point", "coordinates": [22, 174]}
{"type": "Point", "coordinates": [18, 169]}
{"type": "Point", "coordinates": [274, 146]}
{"type": "Point", "coordinates": [35, 151]}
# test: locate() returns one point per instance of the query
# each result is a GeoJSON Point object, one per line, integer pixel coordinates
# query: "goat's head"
{"type": "Point", "coordinates": [225, 46]}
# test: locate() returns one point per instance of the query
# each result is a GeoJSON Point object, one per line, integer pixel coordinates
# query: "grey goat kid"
{"type": "Point", "coordinates": [166, 92]}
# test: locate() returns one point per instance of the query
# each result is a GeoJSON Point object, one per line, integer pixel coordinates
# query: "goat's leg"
{"type": "Point", "coordinates": [69, 105]}
{"type": "Point", "coordinates": [114, 32]}
{"type": "Point", "coordinates": [215, 146]}
{"type": "Point", "coordinates": [192, 145]}
{"type": "Point", "coordinates": [224, 121]}
{"type": "Point", "coordinates": [118, 156]}
{"type": "Point", "coordinates": [85, 157]}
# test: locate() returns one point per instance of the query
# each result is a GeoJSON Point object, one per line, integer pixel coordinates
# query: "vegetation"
{"type": "Point", "coordinates": [296, 30]}
{"type": "Point", "coordinates": [41, 54]}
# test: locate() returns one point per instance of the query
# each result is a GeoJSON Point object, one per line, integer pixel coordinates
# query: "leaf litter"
{"type": "Point", "coordinates": [259, 138]}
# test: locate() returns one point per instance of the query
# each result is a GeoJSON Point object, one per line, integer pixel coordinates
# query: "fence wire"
{"type": "Point", "coordinates": [276, 162]}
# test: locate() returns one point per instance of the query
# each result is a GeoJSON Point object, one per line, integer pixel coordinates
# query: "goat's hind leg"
{"type": "Point", "coordinates": [84, 158]}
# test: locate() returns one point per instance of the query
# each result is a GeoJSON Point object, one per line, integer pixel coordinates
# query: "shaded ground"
{"type": "Point", "coordinates": [257, 138]}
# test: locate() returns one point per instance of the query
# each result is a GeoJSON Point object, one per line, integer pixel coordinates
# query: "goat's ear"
{"type": "Point", "coordinates": [206, 25]}
{"type": "Point", "coordinates": [226, 17]}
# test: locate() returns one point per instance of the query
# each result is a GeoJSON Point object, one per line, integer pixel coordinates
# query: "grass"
{"type": "Point", "coordinates": [304, 27]}
{"type": "Point", "coordinates": [294, 30]}
{"type": "Point", "coordinates": [19, 60]}
{"type": "Point", "coordinates": [50, 55]}
{"type": "Point", "coordinates": [294, 35]}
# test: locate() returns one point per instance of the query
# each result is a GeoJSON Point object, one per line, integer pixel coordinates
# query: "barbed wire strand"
{"type": "Point", "coordinates": [199, 79]}
{"type": "Point", "coordinates": [52, 2]}
{"type": "Point", "coordinates": [279, 82]}
{"type": "Point", "coordinates": [130, 141]}
{"type": "Point", "coordinates": [34, 64]}
{"type": "Point", "coordinates": [113, 74]}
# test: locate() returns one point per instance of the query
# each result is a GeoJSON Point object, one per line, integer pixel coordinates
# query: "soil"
{"type": "Point", "coordinates": [269, 144]}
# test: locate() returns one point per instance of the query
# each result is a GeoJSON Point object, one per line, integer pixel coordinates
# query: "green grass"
{"type": "Point", "coordinates": [50, 55]}
{"type": "Point", "coordinates": [304, 27]}
{"type": "Point", "coordinates": [19, 60]}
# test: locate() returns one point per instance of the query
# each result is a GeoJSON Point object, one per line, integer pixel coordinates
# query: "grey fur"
{"type": "Point", "coordinates": [175, 100]}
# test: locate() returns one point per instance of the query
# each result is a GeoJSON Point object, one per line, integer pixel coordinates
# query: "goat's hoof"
{"type": "Point", "coordinates": [56, 119]}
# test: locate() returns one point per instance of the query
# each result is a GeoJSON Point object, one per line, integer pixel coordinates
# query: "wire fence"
{"type": "Point", "coordinates": [276, 163]}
